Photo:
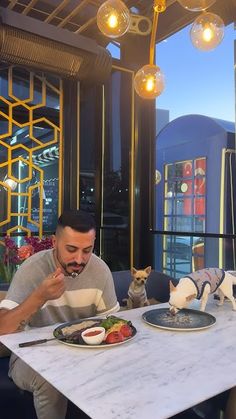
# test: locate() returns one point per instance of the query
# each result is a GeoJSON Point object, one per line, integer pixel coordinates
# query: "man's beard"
{"type": "Point", "coordinates": [65, 266]}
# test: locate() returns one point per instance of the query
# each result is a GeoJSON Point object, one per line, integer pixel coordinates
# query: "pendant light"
{"type": "Point", "coordinates": [113, 18]}
{"type": "Point", "coordinates": [196, 5]}
{"type": "Point", "coordinates": [207, 31]}
{"type": "Point", "coordinates": [149, 81]}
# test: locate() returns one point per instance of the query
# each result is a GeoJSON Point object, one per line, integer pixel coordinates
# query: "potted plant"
{"type": "Point", "coordinates": [12, 255]}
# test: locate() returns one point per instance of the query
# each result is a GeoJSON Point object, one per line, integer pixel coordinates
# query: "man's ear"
{"type": "Point", "coordinates": [54, 240]}
{"type": "Point", "coordinates": [172, 287]}
{"type": "Point", "coordinates": [133, 271]}
{"type": "Point", "coordinates": [191, 297]}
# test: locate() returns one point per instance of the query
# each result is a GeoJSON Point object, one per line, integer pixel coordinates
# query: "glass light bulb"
{"type": "Point", "coordinates": [149, 82]}
{"type": "Point", "coordinates": [112, 21]}
{"type": "Point", "coordinates": [113, 18]}
{"type": "Point", "coordinates": [207, 34]}
{"type": "Point", "coordinates": [11, 183]}
{"type": "Point", "coordinates": [196, 5]}
{"type": "Point", "coordinates": [207, 31]}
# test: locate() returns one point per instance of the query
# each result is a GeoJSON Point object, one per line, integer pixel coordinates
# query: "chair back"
{"type": "Point", "coordinates": [122, 280]}
{"type": "Point", "coordinates": [158, 285]}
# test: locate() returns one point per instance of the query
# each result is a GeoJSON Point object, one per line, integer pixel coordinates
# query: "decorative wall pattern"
{"type": "Point", "coordinates": [30, 131]}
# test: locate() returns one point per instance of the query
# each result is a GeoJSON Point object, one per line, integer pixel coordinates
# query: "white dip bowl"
{"type": "Point", "coordinates": [93, 335]}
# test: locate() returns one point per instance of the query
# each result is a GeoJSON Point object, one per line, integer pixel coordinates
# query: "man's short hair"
{"type": "Point", "coordinates": [78, 220]}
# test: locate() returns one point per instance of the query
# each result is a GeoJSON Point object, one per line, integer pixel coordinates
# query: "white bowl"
{"type": "Point", "coordinates": [91, 337]}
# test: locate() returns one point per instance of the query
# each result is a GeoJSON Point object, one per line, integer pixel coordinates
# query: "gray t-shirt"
{"type": "Point", "coordinates": [89, 294]}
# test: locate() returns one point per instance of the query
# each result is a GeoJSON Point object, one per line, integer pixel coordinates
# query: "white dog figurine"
{"type": "Point", "coordinates": [137, 296]}
{"type": "Point", "coordinates": [199, 285]}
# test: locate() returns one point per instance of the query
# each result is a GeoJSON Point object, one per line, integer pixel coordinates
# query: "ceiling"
{"type": "Point", "coordinates": [79, 16]}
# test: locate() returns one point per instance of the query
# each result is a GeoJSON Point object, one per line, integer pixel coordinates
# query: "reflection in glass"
{"type": "Point", "coordinates": [184, 211]}
{"type": "Point", "coordinates": [183, 254]}
{"type": "Point", "coordinates": [115, 228]}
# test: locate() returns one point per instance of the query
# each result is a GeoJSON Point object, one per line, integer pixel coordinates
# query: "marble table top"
{"type": "Point", "coordinates": [156, 375]}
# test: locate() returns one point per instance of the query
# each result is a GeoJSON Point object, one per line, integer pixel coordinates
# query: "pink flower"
{"type": "Point", "coordinates": [11, 256]}
{"type": "Point", "coordinates": [25, 251]}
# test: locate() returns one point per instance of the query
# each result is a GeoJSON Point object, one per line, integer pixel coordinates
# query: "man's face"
{"type": "Point", "coordinates": [73, 249]}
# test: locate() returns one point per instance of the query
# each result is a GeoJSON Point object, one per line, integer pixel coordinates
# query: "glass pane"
{"type": "Point", "coordinates": [196, 148]}
{"type": "Point", "coordinates": [116, 186]}
{"type": "Point", "coordinates": [88, 142]}
{"type": "Point", "coordinates": [185, 254]}
{"type": "Point", "coordinates": [184, 207]}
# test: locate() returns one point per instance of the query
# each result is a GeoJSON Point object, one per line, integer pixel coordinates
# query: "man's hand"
{"type": "Point", "coordinates": [53, 286]}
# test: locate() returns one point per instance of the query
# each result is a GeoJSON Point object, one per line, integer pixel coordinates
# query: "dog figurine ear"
{"type": "Point", "coordinates": [133, 271]}
{"type": "Point", "coordinates": [191, 297]}
{"type": "Point", "coordinates": [148, 270]}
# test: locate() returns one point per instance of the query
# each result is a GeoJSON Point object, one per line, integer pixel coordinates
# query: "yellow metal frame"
{"type": "Point", "coordinates": [12, 101]}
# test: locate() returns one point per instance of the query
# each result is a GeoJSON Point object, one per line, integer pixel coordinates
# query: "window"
{"type": "Point", "coordinates": [184, 210]}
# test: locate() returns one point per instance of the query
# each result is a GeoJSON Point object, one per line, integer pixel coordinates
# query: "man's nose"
{"type": "Point", "coordinates": [79, 258]}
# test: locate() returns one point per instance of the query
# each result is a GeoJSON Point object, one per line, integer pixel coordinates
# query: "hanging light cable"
{"type": "Point", "coordinates": [149, 81]}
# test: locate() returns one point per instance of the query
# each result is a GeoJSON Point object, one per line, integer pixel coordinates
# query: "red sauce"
{"type": "Point", "coordinates": [93, 333]}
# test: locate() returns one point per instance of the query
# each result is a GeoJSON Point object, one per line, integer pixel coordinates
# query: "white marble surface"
{"type": "Point", "coordinates": [156, 375]}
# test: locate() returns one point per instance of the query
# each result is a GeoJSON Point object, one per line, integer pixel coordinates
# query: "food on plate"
{"type": "Point", "coordinates": [68, 330]}
{"type": "Point", "coordinates": [180, 318]}
{"type": "Point", "coordinates": [119, 331]}
{"type": "Point", "coordinates": [93, 335]}
{"type": "Point", "coordinates": [112, 320]}
{"type": "Point", "coordinates": [126, 330]}
{"type": "Point", "coordinates": [116, 327]}
{"type": "Point", "coordinates": [115, 337]}
{"type": "Point", "coordinates": [115, 330]}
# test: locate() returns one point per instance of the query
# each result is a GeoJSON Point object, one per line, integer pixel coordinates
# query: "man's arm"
{"type": "Point", "coordinates": [50, 289]}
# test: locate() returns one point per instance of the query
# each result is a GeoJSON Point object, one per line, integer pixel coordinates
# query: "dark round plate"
{"type": "Point", "coordinates": [58, 333]}
{"type": "Point", "coordinates": [185, 320]}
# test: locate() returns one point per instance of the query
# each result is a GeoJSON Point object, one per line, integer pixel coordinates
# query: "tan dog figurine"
{"type": "Point", "coordinates": [137, 296]}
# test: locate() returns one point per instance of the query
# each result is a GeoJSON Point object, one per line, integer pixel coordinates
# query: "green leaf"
{"type": "Point", "coordinates": [7, 272]}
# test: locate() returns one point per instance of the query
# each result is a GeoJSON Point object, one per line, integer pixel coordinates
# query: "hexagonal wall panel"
{"type": "Point", "coordinates": [23, 93]}
{"type": "Point", "coordinates": [20, 115]}
{"type": "Point", "coordinates": [5, 126]}
{"type": "Point", "coordinates": [3, 153]}
{"type": "Point", "coordinates": [44, 131]}
{"type": "Point", "coordinates": [4, 106]}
